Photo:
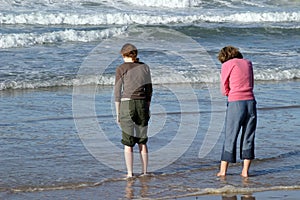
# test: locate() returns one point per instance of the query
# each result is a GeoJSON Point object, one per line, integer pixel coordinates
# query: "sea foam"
{"type": "Point", "coordinates": [159, 77]}
{"type": "Point", "coordinates": [144, 18]}
{"type": "Point", "coordinates": [69, 35]}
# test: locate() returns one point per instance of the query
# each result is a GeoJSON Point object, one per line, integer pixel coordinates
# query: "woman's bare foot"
{"type": "Point", "coordinates": [246, 166]}
{"type": "Point", "coordinates": [221, 174]}
{"type": "Point", "coordinates": [223, 169]}
{"type": "Point", "coordinates": [244, 174]}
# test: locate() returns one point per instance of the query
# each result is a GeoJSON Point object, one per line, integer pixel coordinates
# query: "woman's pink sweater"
{"type": "Point", "coordinates": [237, 80]}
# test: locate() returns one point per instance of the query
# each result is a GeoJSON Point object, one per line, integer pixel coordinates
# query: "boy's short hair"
{"type": "Point", "coordinates": [127, 48]}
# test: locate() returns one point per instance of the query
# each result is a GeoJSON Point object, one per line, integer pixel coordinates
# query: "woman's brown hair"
{"type": "Point", "coordinates": [229, 52]}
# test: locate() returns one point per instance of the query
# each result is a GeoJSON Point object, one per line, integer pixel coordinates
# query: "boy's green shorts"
{"type": "Point", "coordinates": [134, 118]}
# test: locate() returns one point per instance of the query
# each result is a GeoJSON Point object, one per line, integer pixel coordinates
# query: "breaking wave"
{"type": "Point", "coordinates": [144, 18]}
{"type": "Point", "coordinates": [160, 77]}
{"type": "Point", "coordinates": [70, 35]}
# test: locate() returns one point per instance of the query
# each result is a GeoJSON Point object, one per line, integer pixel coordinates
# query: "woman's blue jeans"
{"type": "Point", "coordinates": [239, 115]}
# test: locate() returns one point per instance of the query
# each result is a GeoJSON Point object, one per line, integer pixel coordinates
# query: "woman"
{"type": "Point", "coordinates": [237, 84]}
{"type": "Point", "coordinates": [133, 92]}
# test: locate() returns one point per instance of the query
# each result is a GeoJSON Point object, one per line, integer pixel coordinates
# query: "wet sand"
{"type": "Point", "coordinates": [266, 195]}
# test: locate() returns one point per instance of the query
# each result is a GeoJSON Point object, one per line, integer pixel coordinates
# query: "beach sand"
{"type": "Point", "coordinates": [98, 193]}
{"type": "Point", "coordinates": [266, 195]}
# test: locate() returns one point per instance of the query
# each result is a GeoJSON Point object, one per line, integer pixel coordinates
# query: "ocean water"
{"type": "Point", "coordinates": [58, 136]}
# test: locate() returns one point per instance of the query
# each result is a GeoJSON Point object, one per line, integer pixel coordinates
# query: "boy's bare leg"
{"type": "Point", "coordinates": [223, 168]}
{"type": "Point", "coordinates": [144, 157]}
{"type": "Point", "coordinates": [128, 153]}
{"type": "Point", "coordinates": [246, 166]}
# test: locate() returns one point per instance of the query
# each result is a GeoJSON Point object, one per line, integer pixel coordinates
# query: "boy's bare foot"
{"type": "Point", "coordinates": [144, 174]}
{"type": "Point", "coordinates": [128, 176]}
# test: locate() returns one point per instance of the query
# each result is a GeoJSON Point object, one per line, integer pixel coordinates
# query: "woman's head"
{"type": "Point", "coordinates": [129, 50]}
{"type": "Point", "coordinates": [229, 52]}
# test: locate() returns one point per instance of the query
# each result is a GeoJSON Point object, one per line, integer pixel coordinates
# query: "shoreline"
{"type": "Point", "coordinates": [288, 194]}
{"type": "Point", "coordinates": [225, 193]}
{"type": "Point", "coordinates": [280, 192]}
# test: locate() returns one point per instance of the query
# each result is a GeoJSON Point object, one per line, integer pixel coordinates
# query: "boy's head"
{"type": "Point", "coordinates": [128, 49]}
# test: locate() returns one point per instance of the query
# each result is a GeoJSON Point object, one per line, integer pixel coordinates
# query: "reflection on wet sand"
{"type": "Point", "coordinates": [234, 197]}
{"type": "Point", "coordinates": [140, 184]}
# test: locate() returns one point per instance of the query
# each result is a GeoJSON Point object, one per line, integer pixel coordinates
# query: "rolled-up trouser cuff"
{"type": "Point", "coordinates": [248, 154]}
{"type": "Point", "coordinates": [228, 157]}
